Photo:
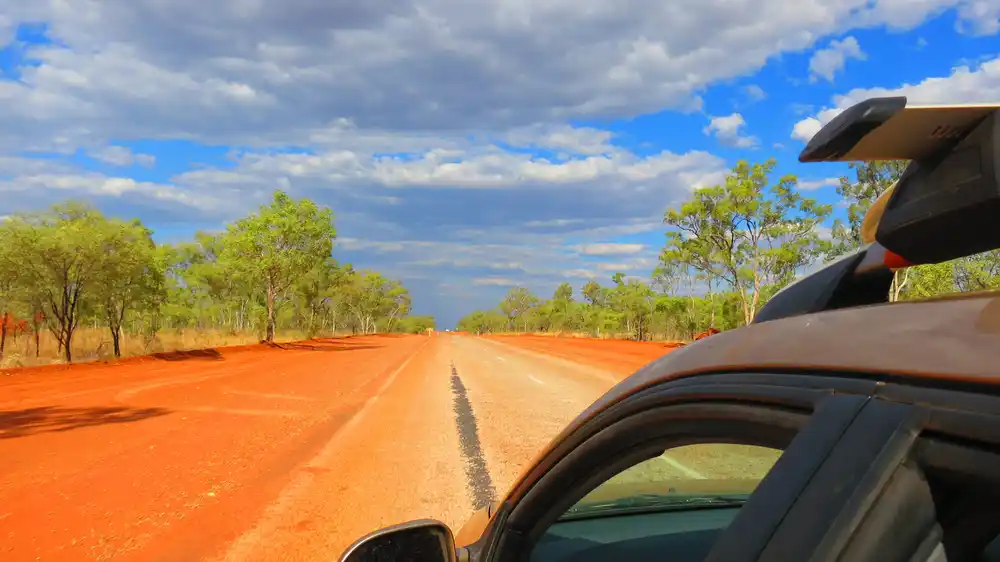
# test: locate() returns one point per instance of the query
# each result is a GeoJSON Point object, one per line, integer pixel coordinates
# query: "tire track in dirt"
{"type": "Point", "coordinates": [478, 480]}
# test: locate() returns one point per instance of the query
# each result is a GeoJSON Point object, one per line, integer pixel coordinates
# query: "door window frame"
{"type": "Point", "coordinates": [642, 433]}
{"type": "Point", "coordinates": [905, 424]}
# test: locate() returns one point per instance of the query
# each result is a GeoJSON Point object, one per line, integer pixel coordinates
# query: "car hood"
{"type": "Point", "coordinates": [475, 525]}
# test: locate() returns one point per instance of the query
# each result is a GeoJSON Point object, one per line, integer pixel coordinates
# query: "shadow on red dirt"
{"type": "Point", "coordinates": [47, 419]}
{"type": "Point", "coordinates": [325, 344]}
{"type": "Point", "coordinates": [193, 354]}
{"type": "Point", "coordinates": [347, 343]}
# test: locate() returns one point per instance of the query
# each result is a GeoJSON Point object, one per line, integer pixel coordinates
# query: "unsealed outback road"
{"type": "Point", "coordinates": [281, 454]}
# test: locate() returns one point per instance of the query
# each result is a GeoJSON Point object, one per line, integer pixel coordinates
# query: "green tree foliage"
{"type": "Point", "coordinates": [60, 255]}
{"type": "Point", "coordinates": [376, 301]}
{"type": "Point", "coordinates": [629, 308]}
{"type": "Point", "coordinates": [516, 304]}
{"type": "Point", "coordinates": [975, 273]}
{"type": "Point", "coordinates": [280, 242]}
{"type": "Point", "coordinates": [729, 249]}
{"type": "Point", "coordinates": [131, 276]}
{"type": "Point", "coordinates": [871, 180]}
{"type": "Point", "coordinates": [70, 266]}
{"type": "Point", "coordinates": [745, 233]}
{"type": "Point", "coordinates": [978, 273]}
{"type": "Point", "coordinates": [415, 324]}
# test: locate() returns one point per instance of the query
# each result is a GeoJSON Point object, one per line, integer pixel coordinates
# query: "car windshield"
{"type": "Point", "coordinates": [699, 476]}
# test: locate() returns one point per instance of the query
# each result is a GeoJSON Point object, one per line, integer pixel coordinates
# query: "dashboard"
{"type": "Point", "coordinates": [688, 535]}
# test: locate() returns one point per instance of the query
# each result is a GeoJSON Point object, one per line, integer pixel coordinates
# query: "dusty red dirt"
{"type": "Point", "coordinates": [170, 458]}
{"type": "Point", "coordinates": [276, 453]}
{"type": "Point", "coordinates": [621, 357]}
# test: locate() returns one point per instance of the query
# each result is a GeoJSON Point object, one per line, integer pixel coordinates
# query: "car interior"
{"type": "Point", "coordinates": [967, 515]}
{"type": "Point", "coordinates": [687, 535]}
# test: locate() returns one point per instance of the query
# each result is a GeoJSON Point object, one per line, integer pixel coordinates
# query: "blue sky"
{"type": "Point", "coordinates": [465, 147]}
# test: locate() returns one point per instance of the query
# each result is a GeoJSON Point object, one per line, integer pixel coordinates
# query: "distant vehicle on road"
{"type": "Point", "coordinates": [837, 426]}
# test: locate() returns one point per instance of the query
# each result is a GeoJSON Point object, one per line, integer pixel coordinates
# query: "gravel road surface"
{"type": "Point", "coordinates": [281, 454]}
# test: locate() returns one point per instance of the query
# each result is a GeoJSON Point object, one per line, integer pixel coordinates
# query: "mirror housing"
{"type": "Point", "coordinates": [945, 205]}
{"type": "Point", "coordinates": [425, 540]}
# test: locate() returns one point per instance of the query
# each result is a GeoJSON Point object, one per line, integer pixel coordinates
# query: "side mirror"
{"type": "Point", "coordinates": [425, 540]}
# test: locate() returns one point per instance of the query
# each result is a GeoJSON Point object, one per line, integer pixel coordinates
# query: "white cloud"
{"type": "Point", "coordinates": [609, 249]}
{"type": "Point", "coordinates": [824, 232]}
{"type": "Point", "coordinates": [644, 265]}
{"type": "Point", "coordinates": [356, 244]}
{"type": "Point", "coordinates": [483, 166]}
{"type": "Point", "coordinates": [979, 17]}
{"type": "Point", "coordinates": [728, 130]}
{"type": "Point", "coordinates": [554, 223]}
{"type": "Point", "coordinates": [122, 156]}
{"type": "Point", "coordinates": [574, 140]}
{"type": "Point", "coordinates": [98, 185]}
{"type": "Point", "coordinates": [403, 115]}
{"type": "Point", "coordinates": [580, 274]}
{"type": "Point", "coordinates": [265, 73]}
{"type": "Point", "coordinates": [494, 281]}
{"type": "Point", "coordinates": [805, 129]}
{"type": "Point", "coordinates": [965, 84]}
{"type": "Point", "coordinates": [825, 63]}
{"type": "Point", "coordinates": [755, 92]}
{"type": "Point", "coordinates": [812, 185]}
{"type": "Point", "coordinates": [612, 266]}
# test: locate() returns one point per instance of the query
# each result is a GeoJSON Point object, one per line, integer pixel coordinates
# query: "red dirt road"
{"type": "Point", "coordinates": [265, 454]}
{"type": "Point", "coordinates": [617, 356]}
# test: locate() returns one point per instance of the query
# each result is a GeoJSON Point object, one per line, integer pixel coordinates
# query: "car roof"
{"type": "Point", "coordinates": [954, 338]}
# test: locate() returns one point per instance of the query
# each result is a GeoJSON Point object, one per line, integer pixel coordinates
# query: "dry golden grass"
{"type": "Point", "coordinates": [90, 344]}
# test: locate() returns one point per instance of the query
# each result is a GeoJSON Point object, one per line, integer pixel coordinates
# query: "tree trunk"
{"type": "Point", "coordinates": [37, 337]}
{"type": "Point", "coordinates": [897, 284]}
{"type": "Point", "coordinates": [116, 334]}
{"type": "Point", "coordinates": [711, 297]}
{"type": "Point", "coordinates": [3, 333]}
{"type": "Point", "coordinates": [745, 301]}
{"type": "Point", "coordinates": [269, 335]}
{"type": "Point", "coordinates": [68, 347]}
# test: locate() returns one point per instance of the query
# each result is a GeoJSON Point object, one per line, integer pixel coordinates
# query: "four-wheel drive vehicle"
{"type": "Point", "coordinates": [836, 427]}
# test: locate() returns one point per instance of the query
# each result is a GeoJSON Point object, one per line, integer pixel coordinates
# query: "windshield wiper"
{"type": "Point", "coordinates": [652, 502]}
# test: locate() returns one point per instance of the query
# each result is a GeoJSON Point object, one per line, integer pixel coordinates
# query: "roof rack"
{"type": "Point", "coordinates": [946, 205]}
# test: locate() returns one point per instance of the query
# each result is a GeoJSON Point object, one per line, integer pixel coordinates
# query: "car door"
{"type": "Point", "coordinates": [932, 494]}
{"type": "Point", "coordinates": [803, 424]}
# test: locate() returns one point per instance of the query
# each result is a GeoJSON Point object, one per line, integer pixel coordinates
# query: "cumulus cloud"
{"type": "Point", "coordinates": [494, 281]}
{"type": "Point", "coordinates": [608, 249]}
{"type": "Point", "coordinates": [965, 84]}
{"type": "Point", "coordinates": [825, 63]}
{"type": "Point", "coordinates": [122, 156]}
{"type": "Point", "coordinates": [573, 140]}
{"type": "Point", "coordinates": [812, 185]}
{"type": "Point", "coordinates": [276, 73]}
{"type": "Point", "coordinates": [728, 129]}
{"type": "Point", "coordinates": [755, 92]}
{"type": "Point", "coordinates": [806, 129]}
{"type": "Point", "coordinates": [979, 17]}
{"type": "Point", "coordinates": [438, 130]}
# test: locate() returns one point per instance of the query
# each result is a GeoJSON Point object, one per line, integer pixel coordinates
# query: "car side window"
{"type": "Point", "coordinates": [677, 502]}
